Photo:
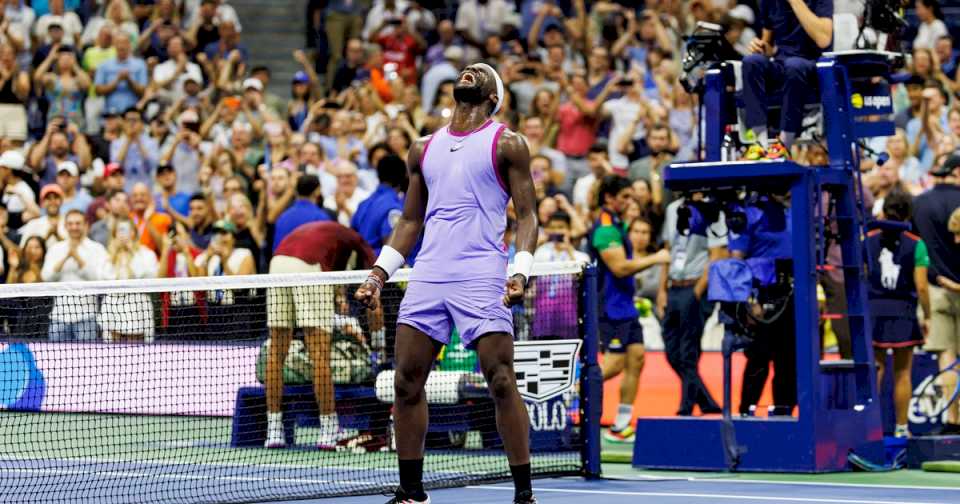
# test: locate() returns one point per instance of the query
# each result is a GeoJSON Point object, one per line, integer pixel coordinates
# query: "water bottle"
{"type": "Point", "coordinates": [728, 150]}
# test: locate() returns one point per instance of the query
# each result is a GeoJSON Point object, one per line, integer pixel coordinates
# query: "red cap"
{"type": "Point", "coordinates": [112, 168]}
{"type": "Point", "coordinates": [50, 189]}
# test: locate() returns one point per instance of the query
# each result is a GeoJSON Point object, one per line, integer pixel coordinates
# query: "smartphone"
{"type": "Point", "coordinates": [626, 82]}
{"type": "Point", "coordinates": [395, 22]}
{"type": "Point", "coordinates": [528, 71]}
{"type": "Point", "coordinates": [555, 237]}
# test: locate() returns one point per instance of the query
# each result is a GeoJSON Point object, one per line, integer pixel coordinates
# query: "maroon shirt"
{"type": "Point", "coordinates": [328, 244]}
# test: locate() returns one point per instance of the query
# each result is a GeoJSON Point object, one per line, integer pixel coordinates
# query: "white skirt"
{"type": "Point", "coordinates": [127, 314]}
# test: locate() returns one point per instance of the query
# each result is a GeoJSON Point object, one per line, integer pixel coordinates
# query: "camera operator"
{"type": "Point", "coordinates": [771, 319]}
{"type": "Point", "coordinates": [681, 298]}
{"type": "Point", "coordinates": [795, 34]}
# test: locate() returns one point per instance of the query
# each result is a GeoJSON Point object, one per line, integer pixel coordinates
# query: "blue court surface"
{"type": "Point", "coordinates": [100, 482]}
{"type": "Point", "coordinates": [685, 491]}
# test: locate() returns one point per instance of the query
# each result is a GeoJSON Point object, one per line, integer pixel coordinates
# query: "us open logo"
{"type": "Point", "coordinates": [545, 369]}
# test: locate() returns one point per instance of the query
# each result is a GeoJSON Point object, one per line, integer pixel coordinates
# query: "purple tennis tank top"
{"type": "Point", "coordinates": [466, 207]}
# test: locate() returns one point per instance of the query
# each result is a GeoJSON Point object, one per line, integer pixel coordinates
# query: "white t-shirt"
{"type": "Point", "coordinates": [168, 69]}
{"type": "Point", "coordinates": [549, 252]}
{"type": "Point", "coordinates": [72, 27]}
{"type": "Point", "coordinates": [143, 264]}
{"type": "Point", "coordinates": [14, 198]}
{"type": "Point", "coordinates": [482, 20]}
{"type": "Point", "coordinates": [352, 203]}
{"type": "Point", "coordinates": [622, 112]}
{"type": "Point", "coordinates": [96, 267]}
{"type": "Point", "coordinates": [214, 269]}
{"type": "Point", "coordinates": [581, 190]}
{"type": "Point", "coordinates": [41, 227]}
{"type": "Point", "coordinates": [928, 34]}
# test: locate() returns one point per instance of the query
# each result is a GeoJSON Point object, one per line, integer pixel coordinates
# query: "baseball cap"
{"type": "Point", "coordinates": [743, 13]}
{"type": "Point", "coordinates": [165, 168]}
{"type": "Point", "coordinates": [13, 159]}
{"type": "Point", "coordinates": [54, 20]}
{"type": "Point", "coordinates": [252, 83]}
{"type": "Point", "coordinates": [69, 167]}
{"type": "Point", "coordinates": [192, 74]}
{"type": "Point", "coordinates": [224, 226]}
{"type": "Point", "coordinates": [553, 26]}
{"type": "Point", "coordinates": [188, 116]}
{"type": "Point", "coordinates": [112, 169]}
{"type": "Point", "coordinates": [947, 167]}
{"type": "Point", "coordinates": [300, 77]}
{"type": "Point", "coordinates": [50, 189]}
{"type": "Point", "coordinates": [454, 53]}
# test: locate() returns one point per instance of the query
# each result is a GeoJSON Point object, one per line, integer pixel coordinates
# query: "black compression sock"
{"type": "Point", "coordinates": [411, 476]}
{"type": "Point", "coordinates": [521, 478]}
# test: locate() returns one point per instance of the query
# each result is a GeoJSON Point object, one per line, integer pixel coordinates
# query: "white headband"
{"type": "Point", "coordinates": [497, 78]}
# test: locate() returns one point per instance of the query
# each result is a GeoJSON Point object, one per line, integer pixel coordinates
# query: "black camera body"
{"type": "Point", "coordinates": [705, 49]}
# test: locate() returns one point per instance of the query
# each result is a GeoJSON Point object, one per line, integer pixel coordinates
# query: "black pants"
{"type": "Point", "coordinates": [775, 342]}
{"type": "Point", "coordinates": [683, 323]}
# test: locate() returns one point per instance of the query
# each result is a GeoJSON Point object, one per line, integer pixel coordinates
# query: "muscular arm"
{"type": "Point", "coordinates": [513, 161]}
{"type": "Point", "coordinates": [615, 258]}
{"type": "Point", "coordinates": [819, 29]}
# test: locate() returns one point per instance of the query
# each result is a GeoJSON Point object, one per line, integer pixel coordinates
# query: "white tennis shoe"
{"type": "Point", "coordinates": [275, 438]}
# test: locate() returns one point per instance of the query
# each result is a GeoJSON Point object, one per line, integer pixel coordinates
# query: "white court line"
{"type": "Point", "coordinates": [258, 465]}
{"type": "Point", "coordinates": [128, 474]}
{"type": "Point", "coordinates": [696, 479]}
{"type": "Point", "coordinates": [738, 498]}
{"type": "Point", "coordinates": [829, 484]}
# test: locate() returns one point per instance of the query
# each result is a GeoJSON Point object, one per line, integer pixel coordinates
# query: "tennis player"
{"type": "Point", "coordinates": [460, 179]}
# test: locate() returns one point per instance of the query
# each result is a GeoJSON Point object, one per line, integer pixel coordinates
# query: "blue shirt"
{"type": "Point", "coordinates": [300, 212]}
{"type": "Point", "coordinates": [213, 51]}
{"type": "Point", "coordinates": [137, 166]}
{"type": "Point", "coordinates": [81, 201]}
{"type": "Point", "coordinates": [377, 215]}
{"type": "Point", "coordinates": [179, 202]}
{"type": "Point", "coordinates": [788, 35]}
{"type": "Point", "coordinates": [123, 97]}
{"type": "Point", "coordinates": [329, 145]}
{"type": "Point", "coordinates": [764, 235]}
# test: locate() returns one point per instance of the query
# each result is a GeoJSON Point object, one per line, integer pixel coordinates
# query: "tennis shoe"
{"type": "Point", "coordinates": [755, 153]}
{"type": "Point", "coordinates": [401, 497]}
{"type": "Point", "coordinates": [525, 497]}
{"type": "Point", "coordinates": [902, 431]}
{"type": "Point", "coordinates": [332, 440]}
{"type": "Point", "coordinates": [275, 438]}
{"type": "Point", "coordinates": [626, 435]}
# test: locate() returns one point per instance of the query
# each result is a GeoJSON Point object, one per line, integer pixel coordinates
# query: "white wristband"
{"type": "Point", "coordinates": [523, 264]}
{"type": "Point", "coordinates": [390, 260]}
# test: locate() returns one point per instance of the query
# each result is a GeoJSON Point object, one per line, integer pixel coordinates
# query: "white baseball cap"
{"type": "Point", "coordinates": [743, 13]}
{"type": "Point", "coordinates": [252, 83]}
{"type": "Point", "coordinates": [70, 167]}
{"type": "Point", "coordinates": [13, 159]}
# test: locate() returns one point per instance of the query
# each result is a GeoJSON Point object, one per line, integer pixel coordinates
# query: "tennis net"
{"type": "Point", "coordinates": [154, 390]}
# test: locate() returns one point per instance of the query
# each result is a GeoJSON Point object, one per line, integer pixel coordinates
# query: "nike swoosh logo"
{"type": "Point", "coordinates": [456, 147]}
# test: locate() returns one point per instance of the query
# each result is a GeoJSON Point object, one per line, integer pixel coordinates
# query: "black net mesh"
{"type": "Point", "coordinates": [133, 396]}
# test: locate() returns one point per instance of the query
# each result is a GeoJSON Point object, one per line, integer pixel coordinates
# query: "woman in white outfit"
{"type": "Point", "coordinates": [128, 317]}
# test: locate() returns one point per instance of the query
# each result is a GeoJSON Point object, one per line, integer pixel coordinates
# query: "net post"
{"type": "Point", "coordinates": [591, 379]}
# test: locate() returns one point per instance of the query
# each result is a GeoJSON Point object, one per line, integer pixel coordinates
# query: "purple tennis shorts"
{"type": "Point", "coordinates": [475, 307]}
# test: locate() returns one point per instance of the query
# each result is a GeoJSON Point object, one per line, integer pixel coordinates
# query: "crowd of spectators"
{"type": "Point", "coordinates": [147, 119]}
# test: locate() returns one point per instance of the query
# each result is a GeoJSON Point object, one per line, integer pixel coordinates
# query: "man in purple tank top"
{"type": "Point", "coordinates": [461, 178]}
